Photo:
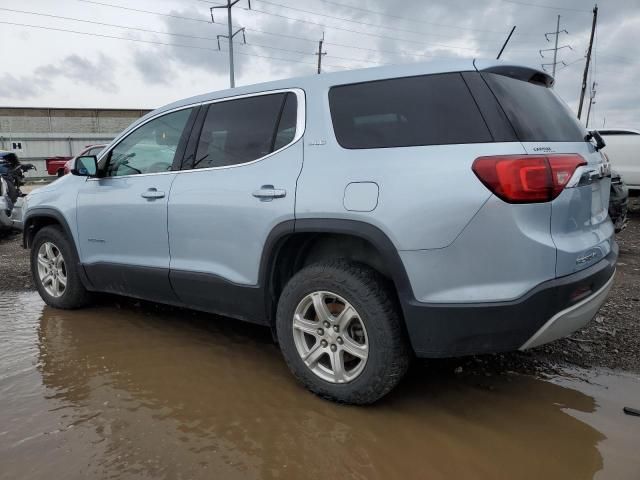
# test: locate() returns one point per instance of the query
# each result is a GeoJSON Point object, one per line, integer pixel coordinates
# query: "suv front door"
{"type": "Point", "coordinates": [122, 215]}
{"type": "Point", "coordinates": [238, 183]}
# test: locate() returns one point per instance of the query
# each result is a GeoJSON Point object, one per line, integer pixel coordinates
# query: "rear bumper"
{"type": "Point", "coordinates": [549, 311]}
{"type": "Point", "coordinates": [570, 319]}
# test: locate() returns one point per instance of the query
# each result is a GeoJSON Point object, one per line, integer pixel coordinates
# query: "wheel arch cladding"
{"type": "Point", "coordinates": [37, 219]}
{"type": "Point", "coordinates": [288, 241]}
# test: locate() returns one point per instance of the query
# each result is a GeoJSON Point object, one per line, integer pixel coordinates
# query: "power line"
{"type": "Point", "coordinates": [358, 22]}
{"type": "Point", "coordinates": [60, 17]}
{"type": "Point", "coordinates": [550, 7]}
{"type": "Point", "coordinates": [283, 35]}
{"type": "Point", "coordinates": [566, 65]}
{"type": "Point", "coordinates": [146, 11]}
{"type": "Point", "coordinates": [369, 34]}
{"type": "Point", "coordinates": [158, 43]}
{"type": "Point", "coordinates": [257, 30]}
{"type": "Point", "coordinates": [413, 20]}
{"type": "Point", "coordinates": [170, 33]}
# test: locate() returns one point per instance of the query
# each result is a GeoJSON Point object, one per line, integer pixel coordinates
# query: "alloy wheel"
{"type": "Point", "coordinates": [330, 337]}
{"type": "Point", "coordinates": [52, 271]}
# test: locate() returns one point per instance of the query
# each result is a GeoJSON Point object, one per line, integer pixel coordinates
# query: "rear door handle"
{"type": "Point", "coordinates": [152, 193]}
{"type": "Point", "coordinates": [266, 193]}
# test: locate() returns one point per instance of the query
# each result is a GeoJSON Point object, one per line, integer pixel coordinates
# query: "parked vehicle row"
{"type": "Point", "coordinates": [366, 217]}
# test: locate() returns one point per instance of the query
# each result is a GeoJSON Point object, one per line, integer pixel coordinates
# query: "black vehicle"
{"type": "Point", "coordinates": [11, 179]}
{"type": "Point", "coordinates": [618, 202]}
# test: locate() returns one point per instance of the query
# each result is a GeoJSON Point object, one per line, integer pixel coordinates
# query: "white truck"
{"type": "Point", "coordinates": [623, 150]}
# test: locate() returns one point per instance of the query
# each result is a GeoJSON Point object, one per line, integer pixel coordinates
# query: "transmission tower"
{"type": "Point", "coordinates": [555, 49]}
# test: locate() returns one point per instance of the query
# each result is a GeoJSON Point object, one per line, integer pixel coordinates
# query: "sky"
{"type": "Point", "coordinates": [169, 48]}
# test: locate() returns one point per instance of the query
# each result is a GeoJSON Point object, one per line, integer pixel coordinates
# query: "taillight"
{"type": "Point", "coordinates": [527, 178]}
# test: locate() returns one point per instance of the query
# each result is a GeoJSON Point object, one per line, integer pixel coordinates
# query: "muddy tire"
{"type": "Point", "coordinates": [54, 268]}
{"type": "Point", "coordinates": [341, 332]}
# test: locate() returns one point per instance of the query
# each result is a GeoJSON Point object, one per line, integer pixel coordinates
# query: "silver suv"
{"type": "Point", "coordinates": [365, 217]}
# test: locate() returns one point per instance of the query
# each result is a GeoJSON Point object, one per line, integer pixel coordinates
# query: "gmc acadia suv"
{"type": "Point", "coordinates": [366, 217]}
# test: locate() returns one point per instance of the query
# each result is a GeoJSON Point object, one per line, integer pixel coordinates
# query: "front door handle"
{"type": "Point", "coordinates": [266, 193]}
{"type": "Point", "coordinates": [152, 194]}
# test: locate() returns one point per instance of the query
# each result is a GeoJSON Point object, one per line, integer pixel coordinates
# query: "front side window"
{"type": "Point", "coordinates": [149, 149]}
{"type": "Point", "coordinates": [94, 151]}
{"type": "Point", "coordinates": [243, 130]}
{"type": "Point", "coordinates": [404, 112]}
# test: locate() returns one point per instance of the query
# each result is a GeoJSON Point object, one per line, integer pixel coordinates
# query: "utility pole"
{"type": "Point", "coordinates": [586, 67]}
{"type": "Point", "coordinates": [229, 6]}
{"type": "Point", "coordinates": [505, 43]}
{"type": "Point", "coordinates": [555, 48]}
{"type": "Point", "coordinates": [320, 53]}
{"type": "Point", "coordinates": [592, 101]}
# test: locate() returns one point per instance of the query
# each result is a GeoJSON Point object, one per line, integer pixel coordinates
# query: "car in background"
{"type": "Point", "coordinates": [93, 150]}
{"type": "Point", "coordinates": [623, 149]}
{"type": "Point", "coordinates": [55, 165]}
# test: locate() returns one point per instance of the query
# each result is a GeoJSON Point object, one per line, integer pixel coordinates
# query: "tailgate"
{"type": "Point", "coordinates": [580, 225]}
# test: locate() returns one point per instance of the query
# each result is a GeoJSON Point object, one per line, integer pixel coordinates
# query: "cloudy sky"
{"type": "Point", "coordinates": [169, 50]}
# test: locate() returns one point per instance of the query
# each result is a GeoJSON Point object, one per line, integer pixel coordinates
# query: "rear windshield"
{"type": "Point", "coordinates": [402, 112]}
{"type": "Point", "coordinates": [535, 111]}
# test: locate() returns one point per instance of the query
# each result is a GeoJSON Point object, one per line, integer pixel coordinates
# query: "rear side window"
{"type": "Point", "coordinates": [243, 130]}
{"type": "Point", "coordinates": [535, 111]}
{"type": "Point", "coordinates": [404, 112]}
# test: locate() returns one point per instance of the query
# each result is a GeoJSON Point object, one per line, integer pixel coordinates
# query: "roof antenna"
{"type": "Point", "coordinates": [505, 42]}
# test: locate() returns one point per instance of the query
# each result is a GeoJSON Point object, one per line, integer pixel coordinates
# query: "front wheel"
{"type": "Point", "coordinates": [54, 268]}
{"type": "Point", "coordinates": [341, 333]}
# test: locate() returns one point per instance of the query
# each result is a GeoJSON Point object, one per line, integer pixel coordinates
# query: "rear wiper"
{"type": "Point", "coordinates": [595, 135]}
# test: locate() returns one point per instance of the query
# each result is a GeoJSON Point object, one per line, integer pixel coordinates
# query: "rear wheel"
{"type": "Point", "coordinates": [54, 267]}
{"type": "Point", "coordinates": [340, 332]}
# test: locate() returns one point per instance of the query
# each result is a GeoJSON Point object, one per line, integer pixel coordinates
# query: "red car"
{"type": "Point", "coordinates": [55, 165]}
{"type": "Point", "coordinates": [89, 150]}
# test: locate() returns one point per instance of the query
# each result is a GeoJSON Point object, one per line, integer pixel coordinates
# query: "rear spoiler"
{"type": "Point", "coordinates": [526, 74]}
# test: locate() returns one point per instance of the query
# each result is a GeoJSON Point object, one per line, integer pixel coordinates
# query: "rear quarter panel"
{"type": "Point", "coordinates": [426, 194]}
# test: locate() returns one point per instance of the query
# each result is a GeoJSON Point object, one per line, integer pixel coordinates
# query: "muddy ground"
{"type": "Point", "coordinates": [611, 340]}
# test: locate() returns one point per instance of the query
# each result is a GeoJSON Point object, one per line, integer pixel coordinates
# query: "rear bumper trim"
{"type": "Point", "coordinates": [571, 319]}
{"type": "Point", "coordinates": [452, 330]}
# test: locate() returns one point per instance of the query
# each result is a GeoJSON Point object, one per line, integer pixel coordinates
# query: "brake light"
{"type": "Point", "coordinates": [527, 178]}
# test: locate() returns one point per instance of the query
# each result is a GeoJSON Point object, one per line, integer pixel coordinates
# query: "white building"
{"type": "Point", "coordinates": [38, 133]}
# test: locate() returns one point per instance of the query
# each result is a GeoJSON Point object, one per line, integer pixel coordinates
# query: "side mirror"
{"type": "Point", "coordinates": [85, 166]}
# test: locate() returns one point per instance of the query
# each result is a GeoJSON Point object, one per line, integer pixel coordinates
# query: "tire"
{"type": "Point", "coordinates": [376, 311]}
{"type": "Point", "coordinates": [74, 295]}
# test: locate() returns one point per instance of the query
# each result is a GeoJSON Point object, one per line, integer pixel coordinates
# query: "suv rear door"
{"type": "Point", "coordinates": [580, 227]}
{"type": "Point", "coordinates": [238, 182]}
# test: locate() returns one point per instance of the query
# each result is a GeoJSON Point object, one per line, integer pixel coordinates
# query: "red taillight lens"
{"type": "Point", "coordinates": [527, 178]}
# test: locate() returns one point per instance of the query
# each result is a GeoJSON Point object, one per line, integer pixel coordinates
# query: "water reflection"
{"type": "Point", "coordinates": [141, 393]}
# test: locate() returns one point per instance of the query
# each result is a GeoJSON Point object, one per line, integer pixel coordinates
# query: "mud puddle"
{"type": "Point", "coordinates": [139, 393]}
